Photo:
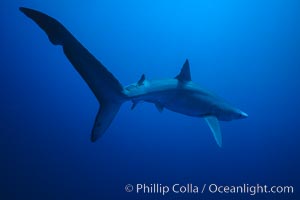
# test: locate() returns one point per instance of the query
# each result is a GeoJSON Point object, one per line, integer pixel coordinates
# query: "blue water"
{"type": "Point", "coordinates": [248, 52]}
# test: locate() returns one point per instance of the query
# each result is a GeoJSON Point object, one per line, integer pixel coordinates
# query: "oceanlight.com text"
{"type": "Point", "coordinates": [250, 189]}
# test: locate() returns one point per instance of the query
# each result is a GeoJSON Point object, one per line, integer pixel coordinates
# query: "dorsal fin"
{"type": "Point", "coordinates": [185, 74]}
{"type": "Point", "coordinates": [142, 79]}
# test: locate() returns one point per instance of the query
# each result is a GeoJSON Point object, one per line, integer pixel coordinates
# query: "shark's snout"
{"type": "Point", "coordinates": [243, 115]}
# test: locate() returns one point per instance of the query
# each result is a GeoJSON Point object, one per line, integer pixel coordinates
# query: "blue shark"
{"type": "Point", "coordinates": [179, 94]}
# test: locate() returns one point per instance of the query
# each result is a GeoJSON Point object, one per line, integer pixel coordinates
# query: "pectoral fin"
{"type": "Point", "coordinates": [214, 126]}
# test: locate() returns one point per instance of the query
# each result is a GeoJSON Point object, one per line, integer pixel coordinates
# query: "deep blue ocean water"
{"type": "Point", "coordinates": [248, 52]}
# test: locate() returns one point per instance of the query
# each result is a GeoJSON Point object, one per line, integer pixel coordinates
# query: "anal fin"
{"type": "Point", "coordinates": [159, 107]}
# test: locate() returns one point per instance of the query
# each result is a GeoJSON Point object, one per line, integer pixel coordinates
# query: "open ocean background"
{"type": "Point", "coordinates": [247, 52]}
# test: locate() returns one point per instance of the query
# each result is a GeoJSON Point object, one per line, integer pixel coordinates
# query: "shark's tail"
{"type": "Point", "coordinates": [104, 85]}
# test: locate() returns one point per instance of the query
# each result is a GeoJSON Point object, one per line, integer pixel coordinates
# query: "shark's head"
{"type": "Point", "coordinates": [238, 114]}
{"type": "Point", "coordinates": [228, 113]}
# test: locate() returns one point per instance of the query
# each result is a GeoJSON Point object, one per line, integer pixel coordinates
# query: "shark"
{"type": "Point", "coordinates": [179, 94]}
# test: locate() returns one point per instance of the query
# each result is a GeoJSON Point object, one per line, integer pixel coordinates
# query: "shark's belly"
{"type": "Point", "coordinates": [183, 102]}
{"type": "Point", "coordinates": [190, 105]}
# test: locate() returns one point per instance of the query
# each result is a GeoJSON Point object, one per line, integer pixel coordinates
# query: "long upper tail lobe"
{"type": "Point", "coordinates": [104, 85]}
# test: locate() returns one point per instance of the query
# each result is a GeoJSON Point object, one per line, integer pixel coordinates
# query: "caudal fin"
{"type": "Point", "coordinates": [104, 85]}
{"type": "Point", "coordinates": [105, 116]}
